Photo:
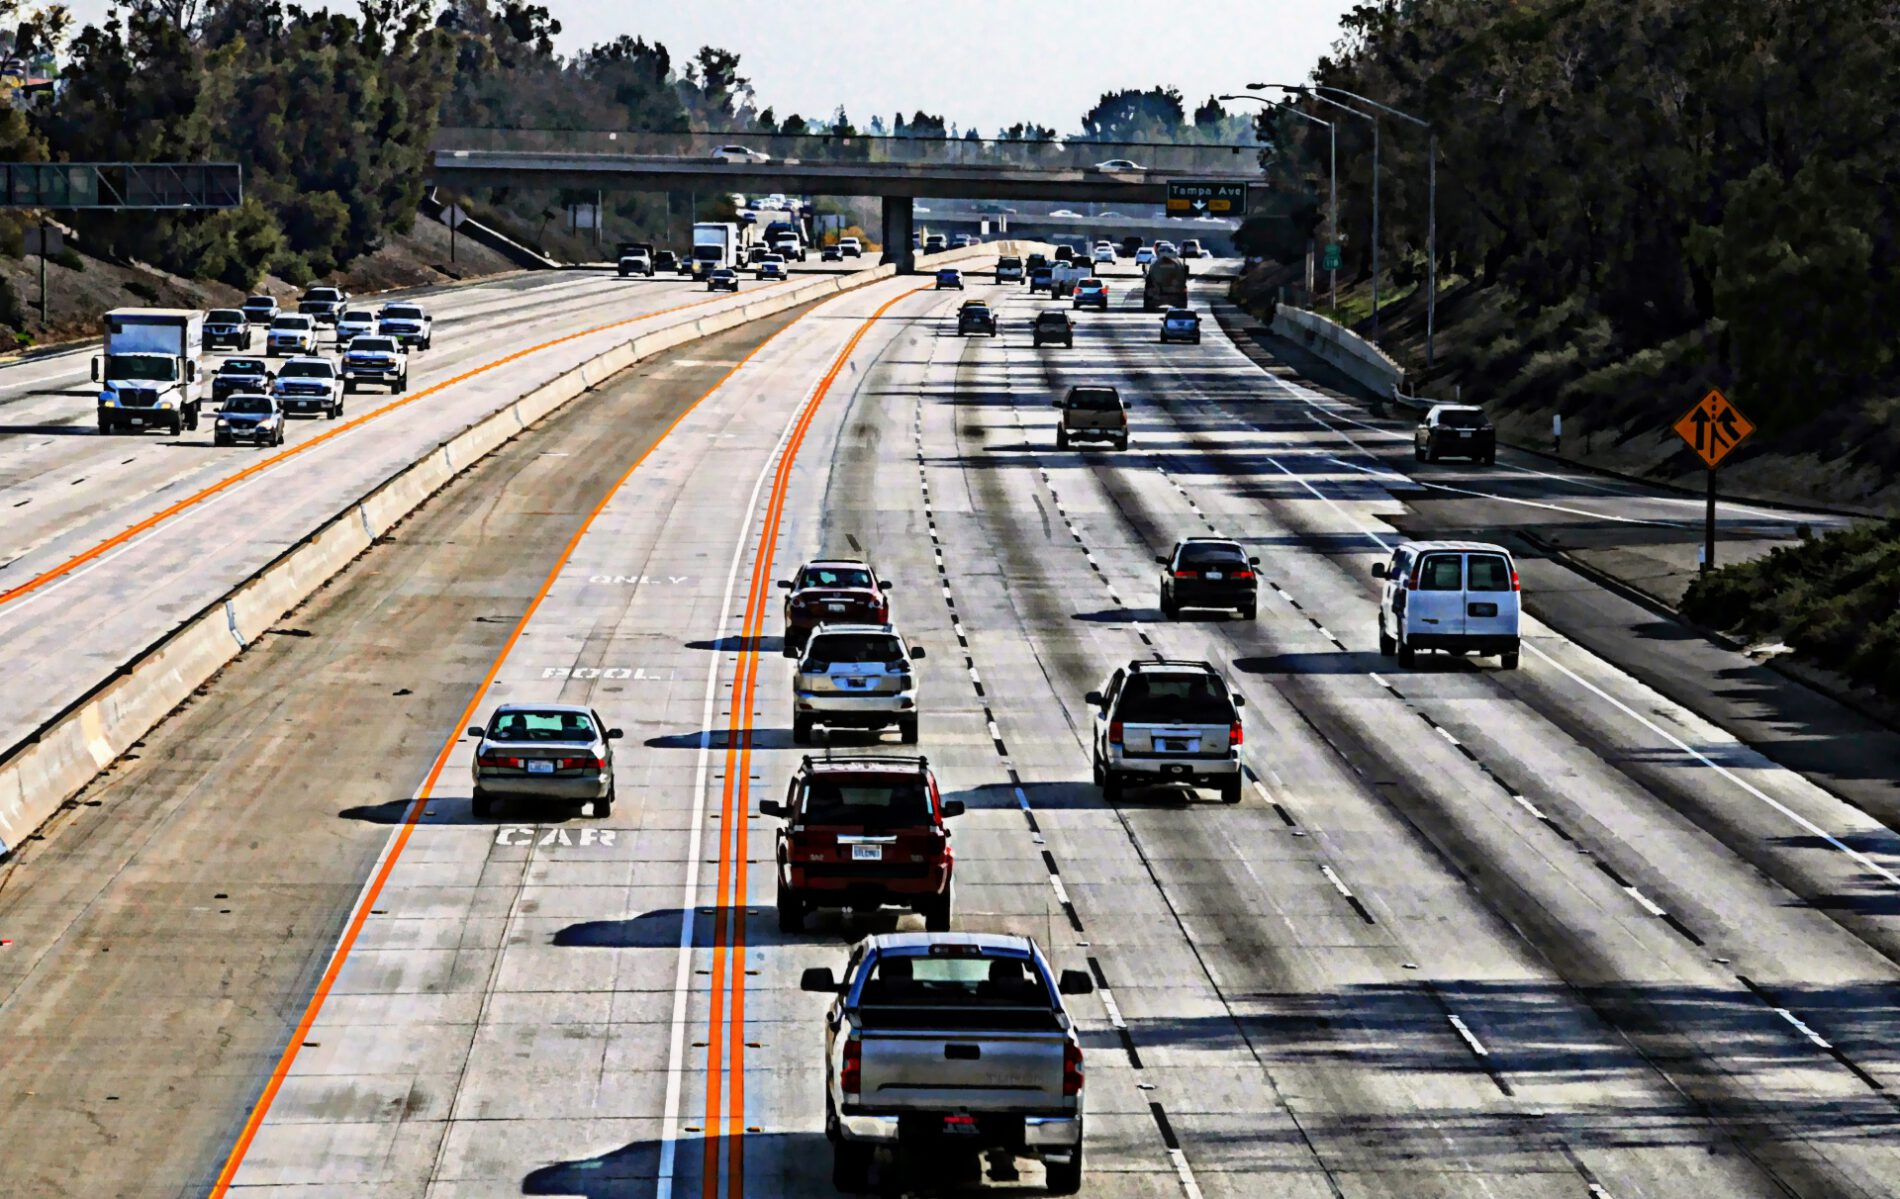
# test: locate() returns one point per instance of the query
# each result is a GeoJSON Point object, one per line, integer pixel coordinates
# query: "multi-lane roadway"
{"type": "Point", "coordinates": [1549, 932]}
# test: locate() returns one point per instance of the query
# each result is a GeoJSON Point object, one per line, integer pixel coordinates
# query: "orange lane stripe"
{"type": "Point", "coordinates": [281, 1071]}
{"type": "Point", "coordinates": [224, 484]}
{"type": "Point", "coordinates": [737, 772]}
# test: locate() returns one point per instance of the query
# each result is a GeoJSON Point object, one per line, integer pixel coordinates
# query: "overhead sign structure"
{"type": "Point", "coordinates": [1713, 428]}
{"type": "Point", "coordinates": [1205, 197]}
{"type": "Point", "coordinates": [121, 185]}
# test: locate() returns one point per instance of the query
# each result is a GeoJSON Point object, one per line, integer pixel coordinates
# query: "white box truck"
{"type": "Point", "coordinates": [715, 244]}
{"type": "Point", "coordinates": [151, 375]}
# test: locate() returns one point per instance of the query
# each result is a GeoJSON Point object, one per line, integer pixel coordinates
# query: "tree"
{"type": "Point", "coordinates": [1129, 116]}
{"type": "Point", "coordinates": [713, 88]}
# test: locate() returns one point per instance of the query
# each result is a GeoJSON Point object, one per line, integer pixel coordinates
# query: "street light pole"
{"type": "Point", "coordinates": [1375, 188]}
{"type": "Point", "coordinates": [1431, 208]}
{"type": "Point", "coordinates": [1332, 178]}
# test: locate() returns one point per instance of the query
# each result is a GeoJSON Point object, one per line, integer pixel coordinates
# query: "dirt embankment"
{"type": "Point", "coordinates": [76, 298]}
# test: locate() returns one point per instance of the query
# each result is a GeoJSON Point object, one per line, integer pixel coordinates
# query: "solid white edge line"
{"type": "Point", "coordinates": [689, 901]}
{"type": "Point", "coordinates": [1805, 1031]}
{"type": "Point", "coordinates": [1470, 1037]}
{"type": "Point", "coordinates": [1338, 884]}
{"type": "Point", "coordinates": [1185, 1173]}
{"type": "Point", "coordinates": [1649, 905]}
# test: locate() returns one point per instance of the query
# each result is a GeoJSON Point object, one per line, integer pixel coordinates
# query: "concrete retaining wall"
{"type": "Point", "coordinates": [1332, 342]}
{"type": "Point", "coordinates": [44, 770]}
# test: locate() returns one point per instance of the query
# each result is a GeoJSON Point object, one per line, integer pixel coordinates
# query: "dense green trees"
{"type": "Point", "coordinates": [1722, 171]}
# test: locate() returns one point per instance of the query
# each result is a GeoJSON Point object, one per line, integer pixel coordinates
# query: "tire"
{"type": "Point", "coordinates": [936, 910]}
{"type": "Point", "coordinates": [280, 436]}
{"type": "Point", "coordinates": [604, 807]}
{"type": "Point", "coordinates": [1121, 443]}
{"type": "Point", "coordinates": [801, 730]}
{"type": "Point", "coordinates": [1095, 766]}
{"type": "Point", "coordinates": [402, 388]}
{"type": "Point", "coordinates": [850, 1166]}
{"type": "Point", "coordinates": [1111, 786]}
{"type": "Point", "coordinates": [178, 425]}
{"type": "Point", "coordinates": [1250, 612]}
{"type": "Point", "coordinates": [907, 730]}
{"type": "Point", "coordinates": [220, 440]}
{"type": "Point", "coordinates": [1062, 438]}
{"type": "Point", "coordinates": [483, 805]}
{"type": "Point", "coordinates": [1418, 455]}
{"type": "Point", "coordinates": [335, 411]}
{"type": "Point", "coordinates": [1169, 609]}
{"type": "Point", "coordinates": [1491, 459]}
{"type": "Point", "coordinates": [1065, 1178]}
{"type": "Point", "coordinates": [1407, 655]}
{"type": "Point", "coordinates": [1431, 452]}
{"type": "Point", "coordinates": [1508, 661]}
{"type": "Point", "coordinates": [1230, 790]}
{"type": "Point", "coordinates": [791, 911]}
{"type": "Point", "coordinates": [1387, 646]}
{"type": "Point", "coordinates": [105, 427]}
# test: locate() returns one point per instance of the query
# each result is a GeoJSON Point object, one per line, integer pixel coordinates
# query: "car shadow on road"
{"type": "Point", "coordinates": [741, 645]}
{"type": "Point", "coordinates": [456, 809]}
{"type": "Point", "coordinates": [1079, 795]}
{"type": "Point", "coordinates": [51, 430]}
{"type": "Point", "coordinates": [757, 738]}
{"type": "Point", "coordinates": [660, 929]}
{"type": "Point", "coordinates": [1331, 662]}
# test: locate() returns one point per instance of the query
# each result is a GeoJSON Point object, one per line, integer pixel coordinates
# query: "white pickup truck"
{"type": "Point", "coordinates": [951, 1043]}
{"type": "Point", "coordinates": [410, 324]}
{"type": "Point", "coordinates": [1063, 276]}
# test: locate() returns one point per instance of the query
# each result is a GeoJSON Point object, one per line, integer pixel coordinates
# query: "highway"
{"type": "Point", "coordinates": [1551, 932]}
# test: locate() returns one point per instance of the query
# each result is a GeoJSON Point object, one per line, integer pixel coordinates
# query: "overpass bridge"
{"type": "Point", "coordinates": [899, 170]}
{"type": "Point", "coordinates": [1042, 226]}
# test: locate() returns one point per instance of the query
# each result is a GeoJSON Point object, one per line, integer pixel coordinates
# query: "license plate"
{"type": "Point", "coordinates": [1177, 745]}
{"type": "Point", "coordinates": [536, 767]}
{"type": "Point", "coordinates": [855, 682]}
{"type": "Point", "coordinates": [834, 607]}
{"type": "Point", "coordinates": [1483, 610]}
{"type": "Point", "coordinates": [138, 420]}
{"type": "Point", "coordinates": [1214, 574]}
{"type": "Point", "coordinates": [867, 853]}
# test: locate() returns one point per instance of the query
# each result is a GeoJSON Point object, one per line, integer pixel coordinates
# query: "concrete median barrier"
{"type": "Point", "coordinates": [1339, 346]}
{"type": "Point", "coordinates": [44, 769]}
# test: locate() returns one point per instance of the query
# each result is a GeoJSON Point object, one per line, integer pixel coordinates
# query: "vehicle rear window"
{"type": "Point", "coordinates": [402, 313]}
{"type": "Point", "coordinates": [373, 345]}
{"type": "Point", "coordinates": [306, 370]}
{"type": "Point", "coordinates": [1006, 262]}
{"type": "Point", "coordinates": [224, 316]}
{"type": "Point", "coordinates": [828, 576]}
{"type": "Point", "coordinates": [1442, 572]}
{"type": "Point", "coordinates": [968, 990]}
{"type": "Point", "coordinates": [1489, 572]}
{"type": "Point", "coordinates": [1217, 556]}
{"type": "Point", "coordinates": [1094, 399]}
{"type": "Point", "coordinates": [872, 803]}
{"type": "Point", "coordinates": [541, 726]}
{"type": "Point", "coordinates": [853, 647]}
{"type": "Point", "coordinates": [242, 366]}
{"type": "Point", "coordinates": [251, 404]}
{"type": "Point", "coordinates": [1055, 319]}
{"type": "Point", "coordinates": [1175, 699]}
{"type": "Point", "coordinates": [1463, 419]}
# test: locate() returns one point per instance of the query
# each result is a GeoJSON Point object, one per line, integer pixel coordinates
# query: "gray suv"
{"type": "Point", "coordinates": [855, 676]}
{"type": "Point", "coordinates": [1167, 722]}
{"type": "Point", "coordinates": [1092, 414]}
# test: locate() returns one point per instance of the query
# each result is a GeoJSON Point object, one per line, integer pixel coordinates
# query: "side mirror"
{"type": "Point", "coordinates": [1075, 982]}
{"type": "Point", "coordinates": [784, 584]}
{"type": "Point", "coordinates": [772, 807]}
{"type": "Point", "coordinates": [1055, 403]}
{"type": "Point", "coordinates": [475, 731]}
{"type": "Point", "coordinates": [1093, 698]}
{"type": "Point", "coordinates": [1253, 561]}
{"type": "Point", "coordinates": [95, 370]}
{"type": "Point", "coordinates": [1240, 701]}
{"type": "Point", "coordinates": [818, 978]}
{"type": "Point", "coordinates": [883, 584]}
{"type": "Point", "coordinates": [191, 372]}
{"type": "Point", "coordinates": [1378, 570]}
{"type": "Point", "coordinates": [917, 651]}
{"type": "Point", "coordinates": [616, 734]}
{"type": "Point", "coordinates": [1160, 561]}
{"type": "Point", "coordinates": [952, 807]}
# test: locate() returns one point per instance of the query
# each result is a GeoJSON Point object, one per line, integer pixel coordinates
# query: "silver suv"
{"type": "Point", "coordinates": [855, 676]}
{"type": "Point", "coordinates": [1167, 722]}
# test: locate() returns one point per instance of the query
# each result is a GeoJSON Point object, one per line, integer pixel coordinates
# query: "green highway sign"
{"type": "Point", "coordinates": [1329, 258]}
{"type": "Point", "coordinates": [1206, 197]}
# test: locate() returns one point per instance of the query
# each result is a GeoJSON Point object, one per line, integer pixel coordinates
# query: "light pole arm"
{"type": "Point", "coordinates": [1385, 108]}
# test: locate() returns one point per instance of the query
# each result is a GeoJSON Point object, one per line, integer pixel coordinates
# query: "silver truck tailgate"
{"type": "Point", "coordinates": [971, 1070]}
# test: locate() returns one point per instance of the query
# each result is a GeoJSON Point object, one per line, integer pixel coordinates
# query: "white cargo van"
{"type": "Point", "coordinates": [1461, 597]}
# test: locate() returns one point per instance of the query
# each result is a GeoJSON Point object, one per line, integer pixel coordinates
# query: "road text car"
{"type": "Point", "coordinates": [864, 833]}
{"type": "Point", "coordinates": [1208, 572]}
{"type": "Point", "coordinates": [855, 676]}
{"type": "Point", "coordinates": [1455, 431]}
{"type": "Point", "coordinates": [550, 753]}
{"type": "Point", "coordinates": [1160, 722]}
{"type": "Point", "coordinates": [1462, 597]}
{"type": "Point", "coordinates": [937, 1041]}
{"type": "Point", "coordinates": [249, 417]}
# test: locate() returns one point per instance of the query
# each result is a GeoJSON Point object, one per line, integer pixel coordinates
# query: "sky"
{"type": "Point", "coordinates": [991, 62]}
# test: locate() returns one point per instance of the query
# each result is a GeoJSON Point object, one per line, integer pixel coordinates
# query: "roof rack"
{"type": "Point", "coordinates": [1148, 664]}
{"type": "Point", "coordinates": [855, 759]}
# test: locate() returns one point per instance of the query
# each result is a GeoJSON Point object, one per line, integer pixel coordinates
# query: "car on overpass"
{"type": "Point", "coordinates": [1066, 214]}
{"type": "Point", "coordinates": [740, 154]}
{"type": "Point", "coordinates": [1119, 164]}
{"type": "Point", "coordinates": [553, 754]}
{"type": "Point", "coordinates": [723, 279]}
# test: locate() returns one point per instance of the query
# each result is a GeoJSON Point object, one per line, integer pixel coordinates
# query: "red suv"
{"type": "Point", "coordinates": [864, 832]}
{"type": "Point", "coordinates": [832, 591]}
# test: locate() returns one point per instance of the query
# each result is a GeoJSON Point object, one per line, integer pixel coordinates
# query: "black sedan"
{"type": "Point", "coordinates": [1208, 572]}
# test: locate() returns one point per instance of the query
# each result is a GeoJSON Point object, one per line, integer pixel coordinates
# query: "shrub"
{"type": "Point", "coordinates": [143, 290]}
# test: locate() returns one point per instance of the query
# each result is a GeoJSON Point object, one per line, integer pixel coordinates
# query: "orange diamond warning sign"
{"type": "Point", "coordinates": [1713, 428]}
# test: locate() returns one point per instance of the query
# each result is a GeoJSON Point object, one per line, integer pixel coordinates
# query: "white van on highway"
{"type": "Point", "coordinates": [1461, 597]}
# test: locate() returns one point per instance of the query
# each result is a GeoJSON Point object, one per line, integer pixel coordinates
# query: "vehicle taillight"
{"type": "Point", "coordinates": [1514, 583]}
{"type": "Point", "coordinates": [1071, 1069]}
{"type": "Point", "coordinates": [589, 763]}
{"type": "Point", "coordinates": [1242, 574]}
{"type": "Point", "coordinates": [1233, 733]}
{"type": "Point", "coordinates": [1115, 732]}
{"type": "Point", "coordinates": [1418, 568]}
{"type": "Point", "coordinates": [498, 760]}
{"type": "Point", "coordinates": [1187, 574]}
{"type": "Point", "coordinates": [851, 1074]}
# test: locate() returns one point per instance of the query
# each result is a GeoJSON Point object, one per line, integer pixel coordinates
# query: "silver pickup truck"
{"type": "Point", "coordinates": [951, 1044]}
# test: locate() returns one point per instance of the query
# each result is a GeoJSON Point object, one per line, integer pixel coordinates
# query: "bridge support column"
{"type": "Point", "coordinates": [897, 233]}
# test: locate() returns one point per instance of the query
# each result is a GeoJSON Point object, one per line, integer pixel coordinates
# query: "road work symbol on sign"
{"type": "Point", "coordinates": [1713, 428]}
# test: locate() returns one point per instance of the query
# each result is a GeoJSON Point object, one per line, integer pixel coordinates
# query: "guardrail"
{"type": "Point", "coordinates": [42, 769]}
{"type": "Point", "coordinates": [1339, 346]}
{"type": "Point", "coordinates": [1173, 158]}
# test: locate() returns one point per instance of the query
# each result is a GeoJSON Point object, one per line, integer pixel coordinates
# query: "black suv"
{"type": "Point", "coordinates": [975, 317]}
{"type": "Point", "coordinates": [1208, 572]}
{"type": "Point", "coordinates": [1455, 431]}
{"type": "Point", "coordinates": [241, 376]}
{"type": "Point", "coordinates": [1052, 328]}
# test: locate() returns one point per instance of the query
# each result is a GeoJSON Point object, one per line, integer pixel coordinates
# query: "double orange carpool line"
{"type": "Point", "coordinates": [373, 892]}
{"type": "Point", "coordinates": [725, 1080]}
{"type": "Point", "coordinates": [225, 484]}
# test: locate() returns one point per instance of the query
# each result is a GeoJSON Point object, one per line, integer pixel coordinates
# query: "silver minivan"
{"type": "Point", "coordinates": [1461, 597]}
